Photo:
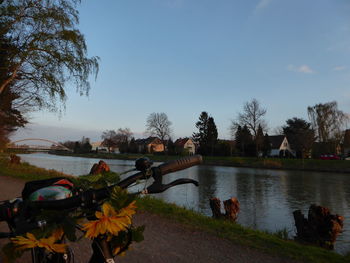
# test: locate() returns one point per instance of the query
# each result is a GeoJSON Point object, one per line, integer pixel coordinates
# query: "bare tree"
{"type": "Point", "coordinates": [252, 117]}
{"type": "Point", "coordinates": [109, 139]}
{"type": "Point", "coordinates": [158, 125]}
{"type": "Point", "coordinates": [123, 135]}
{"type": "Point", "coordinates": [328, 121]}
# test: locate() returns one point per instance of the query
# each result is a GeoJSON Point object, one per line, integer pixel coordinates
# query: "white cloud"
{"type": "Point", "coordinates": [262, 4]}
{"type": "Point", "coordinates": [339, 68]}
{"type": "Point", "coordinates": [301, 69]}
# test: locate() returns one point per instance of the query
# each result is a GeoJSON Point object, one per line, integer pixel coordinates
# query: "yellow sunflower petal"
{"type": "Point", "coordinates": [108, 210]}
{"type": "Point", "coordinates": [116, 250]}
{"type": "Point", "coordinates": [59, 248]}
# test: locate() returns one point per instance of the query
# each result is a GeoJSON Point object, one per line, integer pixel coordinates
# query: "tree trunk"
{"type": "Point", "coordinates": [231, 207]}
{"type": "Point", "coordinates": [321, 228]}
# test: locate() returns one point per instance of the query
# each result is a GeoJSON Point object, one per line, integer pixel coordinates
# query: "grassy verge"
{"type": "Point", "coordinates": [251, 162]}
{"type": "Point", "coordinates": [237, 234]}
{"type": "Point", "coordinates": [262, 241]}
{"type": "Point", "coordinates": [25, 171]}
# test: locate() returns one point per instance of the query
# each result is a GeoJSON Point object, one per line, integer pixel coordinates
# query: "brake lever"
{"type": "Point", "coordinates": [158, 187]}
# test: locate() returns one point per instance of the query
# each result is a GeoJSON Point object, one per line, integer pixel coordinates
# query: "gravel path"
{"type": "Point", "coordinates": [165, 240]}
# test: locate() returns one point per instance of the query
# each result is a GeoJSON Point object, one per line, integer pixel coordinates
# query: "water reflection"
{"type": "Point", "coordinates": [267, 197]}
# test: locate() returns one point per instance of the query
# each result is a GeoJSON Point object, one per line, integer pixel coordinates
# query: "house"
{"type": "Point", "coordinates": [100, 147]}
{"type": "Point", "coordinates": [185, 146]}
{"type": "Point", "coordinates": [280, 146]}
{"type": "Point", "coordinates": [149, 145]}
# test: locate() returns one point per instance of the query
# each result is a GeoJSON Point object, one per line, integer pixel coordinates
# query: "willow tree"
{"type": "Point", "coordinates": [47, 52]}
{"type": "Point", "coordinates": [328, 121]}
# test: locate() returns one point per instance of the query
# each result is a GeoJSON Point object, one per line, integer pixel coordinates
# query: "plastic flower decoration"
{"type": "Point", "coordinates": [30, 241]}
{"type": "Point", "coordinates": [109, 221]}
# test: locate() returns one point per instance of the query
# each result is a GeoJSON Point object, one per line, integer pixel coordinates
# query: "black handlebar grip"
{"type": "Point", "coordinates": [177, 165]}
{"type": "Point", "coordinates": [4, 212]}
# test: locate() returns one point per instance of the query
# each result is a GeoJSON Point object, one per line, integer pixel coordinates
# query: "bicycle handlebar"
{"type": "Point", "coordinates": [89, 197]}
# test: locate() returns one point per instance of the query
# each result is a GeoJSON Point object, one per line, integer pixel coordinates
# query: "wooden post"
{"type": "Point", "coordinates": [231, 207]}
{"type": "Point", "coordinates": [215, 205]}
{"type": "Point", "coordinates": [99, 168]}
{"type": "Point", "coordinates": [321, 228]}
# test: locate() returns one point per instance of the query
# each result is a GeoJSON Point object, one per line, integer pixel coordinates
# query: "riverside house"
{"type": "Point", "coordinates": [280, 146]}
{"type": "Point", "coordinates": [185, 146]}
{"type": "Point", "coordinates": [149, 145]}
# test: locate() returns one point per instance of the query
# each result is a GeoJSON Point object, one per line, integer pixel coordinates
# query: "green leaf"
{"type": "Point", "coordinates": [120, 198]}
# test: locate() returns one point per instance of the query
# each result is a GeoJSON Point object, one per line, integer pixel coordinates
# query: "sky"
{"type": "Point", "coordinates": [182, 57]}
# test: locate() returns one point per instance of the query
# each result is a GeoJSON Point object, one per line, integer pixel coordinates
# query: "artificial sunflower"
{"type": "Point", "coordinates": [109, 221]}
{"type": "Point", "coordinates": [30, 241]}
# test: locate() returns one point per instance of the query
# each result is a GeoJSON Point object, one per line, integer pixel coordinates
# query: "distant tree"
{"type": "Point", "coordinates": [251, 117]}
{"type": "Point", "coordinates": [212, 135]}
{"type": "Point", "coordinates": [207, 134]}
{"type": "Point", "coordinates": [244, 141]}
{"type": "Point", "coordinates": [69, 144]}
{"type": "Point", "coordinates": [223, 148]}
{"type": "Point", "coordinates": [266, 149]}
{"type": "Point", "coordinates": [300, 135]}
{"type": "Point", "coordinates": [328, 121]}
{"type": "Point", "coordinates": [171, 149]}
{"type": "Point", "coordinates": [259, 141]}
{"type": "Point", "coordinates": [85, 145]}
{"type": "Point", "coordinates": [133, 146]}
{"type": "Point", "coordinates": [158, 125]}
{"type": "Point", "coordinates": [123, 137]}
{"type": "Point", "coordinates": [202, 126]}
{"type": "Point", "coordinates": [109, 139]}
{"type": "Point", "coordinates": [77, 146]}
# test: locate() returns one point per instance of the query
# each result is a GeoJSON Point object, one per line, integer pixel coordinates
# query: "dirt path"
{"type": "Point", "coordinates": [165, 240]}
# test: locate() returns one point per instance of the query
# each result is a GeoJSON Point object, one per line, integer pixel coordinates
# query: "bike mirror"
{"type": "Point", "coordinates": [142, 164]}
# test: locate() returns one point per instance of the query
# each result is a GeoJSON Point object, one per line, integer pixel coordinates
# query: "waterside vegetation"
{"type": "Point", "coordinates": [338, 166]}
{"type": "Point", "coordinates": [269, 243]}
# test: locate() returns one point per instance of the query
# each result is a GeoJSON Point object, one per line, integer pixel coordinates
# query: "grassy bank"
{"type": "Point", "coordinates": [237, 234]}
{"type": "Point", "coordinates": [269, 243]}
{"type": "Point", "coordinates": [25, 171]}
{"type": "Point", "coordinates": [338, 166]}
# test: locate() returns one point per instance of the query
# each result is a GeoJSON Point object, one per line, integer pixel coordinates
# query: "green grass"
{"type": "Point", "coordinates": [25, 171]}
{"type": "Point", "coordinates": [269, 243]}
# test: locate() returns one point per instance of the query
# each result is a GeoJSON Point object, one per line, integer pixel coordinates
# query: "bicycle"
{"type": "Point", "coordinates": [91, 205]}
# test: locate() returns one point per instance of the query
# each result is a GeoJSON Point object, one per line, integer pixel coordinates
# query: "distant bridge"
{"type": "Point", "coordinates": [54, 145]}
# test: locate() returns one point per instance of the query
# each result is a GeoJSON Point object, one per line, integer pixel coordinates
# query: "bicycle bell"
{"type": "Point", "coordinates": [142, 164]}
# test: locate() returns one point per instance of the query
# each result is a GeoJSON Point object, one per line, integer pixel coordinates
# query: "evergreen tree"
{"type": "Point", "coordinates": [133, 146]}
{"type": "Point", "coordinates": [244, 141]}
{"type": "Point", "coordinates": [300, 135]}
{"type": "Point", "coordinates": [207, 134]}
{"type": "Point", "coordinates": [171, 147]}
{"type": "Point", "coordinates": [259, 140]}
{"type": "Point", "coordinates": [266, 149]}
{"type": "Point", "coordinates": [212, 135]}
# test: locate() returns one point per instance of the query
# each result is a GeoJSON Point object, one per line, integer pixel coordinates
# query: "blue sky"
{"type": "Point", "coordinates": [182, 57]}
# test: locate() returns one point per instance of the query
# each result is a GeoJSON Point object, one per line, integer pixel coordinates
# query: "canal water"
{"type": "Point", "coordinates": [267, 197]}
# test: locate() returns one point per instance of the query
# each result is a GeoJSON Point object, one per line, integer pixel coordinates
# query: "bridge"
{"type": "Point", "coordinates": [31, 147]}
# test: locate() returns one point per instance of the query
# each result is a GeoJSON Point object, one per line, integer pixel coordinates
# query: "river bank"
{"type": "Point", "coordinates": [314, 165]}
{"type": "Point", "coordinates": [247, 239]}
